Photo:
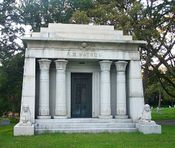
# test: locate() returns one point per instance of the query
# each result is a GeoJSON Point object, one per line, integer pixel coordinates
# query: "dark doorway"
{"type": "Point", "coordinates": [81, 95]}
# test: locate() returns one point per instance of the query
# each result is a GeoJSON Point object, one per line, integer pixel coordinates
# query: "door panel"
{"type": "Point", "coordinates": [81, 95]}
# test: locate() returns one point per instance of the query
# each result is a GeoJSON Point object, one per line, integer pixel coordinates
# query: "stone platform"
{"type": "Point", "coordinates": [149, 128]}
{"type": "Point", "coordinates": [84, 125]}
{"type": "Point", "coordinates": [23, 130]}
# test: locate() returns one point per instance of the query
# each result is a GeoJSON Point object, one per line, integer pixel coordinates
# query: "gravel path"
{"type": "Point", "coordinates": [166, 122]}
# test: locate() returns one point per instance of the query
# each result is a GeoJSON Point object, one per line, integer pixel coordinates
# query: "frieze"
{"type": "Point", "coordinates": [84, 54]}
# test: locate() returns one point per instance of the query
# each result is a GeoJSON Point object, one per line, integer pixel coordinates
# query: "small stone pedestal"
{"type": "Point", "coordinates": [23, 130]}
{"type": "Point", "coordinates": [145, 124]}
{"type": "Point", "coordinates": [148, 128]}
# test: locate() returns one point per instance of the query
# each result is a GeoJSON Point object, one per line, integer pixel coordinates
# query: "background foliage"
{"type": "Point", "coordinates": [153, 21]}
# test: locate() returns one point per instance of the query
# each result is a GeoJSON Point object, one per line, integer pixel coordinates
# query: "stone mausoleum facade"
{"type": "Point", "coordinates": [80, 78]}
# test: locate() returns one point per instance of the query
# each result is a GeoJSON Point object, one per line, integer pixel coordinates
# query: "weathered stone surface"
{"type": "Point", "coordinates": [148, 128]}
{"type": "Point", "coordinates": [23, 130]}
{"type": "Point", "coordinates": [84, 125]}
{"type": "Point", "coordinates": [59, 50]}
{"type": "Point", "coordinates": [145, 124]}
{"type": "Point", "coordinates": [121, 89]}
{"type": "Point", "coordinates": [44, 88]}
{"type": "Point", "coordinates": [25, 116]}
{"type": "Point", "coordinates": [75, 32]}
{"type": "Point", "coordinates": [136, 98]}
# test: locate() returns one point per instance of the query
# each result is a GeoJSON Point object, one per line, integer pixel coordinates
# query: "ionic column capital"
{"type": "Point", "coordinates": [105, 65]}
{"type": "Point", "coordinates": [121, 66]}
{"type": "Point", "coordinates": [61, 64]}
{"type": "Point", "coordinates": [44, 64]}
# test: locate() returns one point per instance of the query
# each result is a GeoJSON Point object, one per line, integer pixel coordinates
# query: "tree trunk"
{"type": "Point", "coordinates": [159, 102]}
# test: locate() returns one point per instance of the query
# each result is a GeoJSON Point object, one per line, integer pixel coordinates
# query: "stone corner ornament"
{"type": "Point", "coordinates": [25, 126]}
{"type": "Point", "coordinates": [84, 44]}
{"type": "Point", "coordinates": [25, 116]}
{"type": "Point", "coordinates": [145, 124]}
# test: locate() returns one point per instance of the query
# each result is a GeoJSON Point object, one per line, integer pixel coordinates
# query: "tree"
{"type": "Point", "coordinates": [13, 17]}
{"type": "Point", "coordinates": [155, 92]}
{"type": "Point", "coordinates": [10, 29]}
{"type": "Point", "coordinates": [152, 21]}
{"type": "Point", "coordinates": [38, 13]}
{"type": "Point", "coordinates": [11, 83]}
{"type": "Point", "coordinates": [159, 34]}
{"type": "Point", "coordinates": [11, 55]}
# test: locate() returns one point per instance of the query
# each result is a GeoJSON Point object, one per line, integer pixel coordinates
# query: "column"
{"type": "Point", "coordinates": [121, 89]}
{"type": "Point", "coordinates": [28, 98]}
{"type": "Point", "coordinates": [44, 65]}
{"type": "Point", "coordinates": [60, 108]}
{"type": "Point", "coordinates": [136, 98]}
{"type": "Point", "coordinates": [105, 102]}
{"type": "Point", "coordinates": [28, 86]}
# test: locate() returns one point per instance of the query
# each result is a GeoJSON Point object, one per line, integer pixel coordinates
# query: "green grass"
{"type": "Point", "coordinates": [103, 140]}
{"type": "Point", "coordinates": [165, 114]}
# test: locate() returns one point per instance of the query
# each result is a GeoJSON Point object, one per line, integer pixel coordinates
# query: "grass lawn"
{"type": "Point", "coordinates": [103, 140]}
{"type": "Point", "coordinates": [164, 114]}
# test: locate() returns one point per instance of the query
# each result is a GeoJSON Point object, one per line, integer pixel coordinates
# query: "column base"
{"type": "Point", "coordinates": [121, 116]}
{"type": "Point", "coordinates": [105, 117]}
{"type": "Point", "coordinates": [60, 117]}
{"type": "Point", "coordinates": [44, 117]}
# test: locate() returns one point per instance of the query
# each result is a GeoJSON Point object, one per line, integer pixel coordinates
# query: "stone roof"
{"type": "Point", "coordinates": [77, 32]}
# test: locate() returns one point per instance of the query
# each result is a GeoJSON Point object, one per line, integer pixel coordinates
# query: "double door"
{"type": "Point", "coordinates": [81, 95]}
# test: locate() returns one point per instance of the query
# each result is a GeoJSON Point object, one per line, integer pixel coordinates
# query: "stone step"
{"type": "Point", "coordinates": [85, 125]}
{"type": "Point", "coordinates": [84, 120]}
{"type": "Point", "coordinates": [85, 130]}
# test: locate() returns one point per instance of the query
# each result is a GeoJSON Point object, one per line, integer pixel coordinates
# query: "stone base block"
{"type": "Point", "coordinates": [105, 117]}
{"type": "Point", "coordinates": [60, 117]}
{"type": "Point", "coordinates": [44, 117]}
{"type": "Point", "coordinates": [23, 130]}
{"type": "Point", "coordinates": [84, 125]}
{"type": "Point", "coordinates": [148, 128]}
{"type": "Point", "coordinates": [121, 116]}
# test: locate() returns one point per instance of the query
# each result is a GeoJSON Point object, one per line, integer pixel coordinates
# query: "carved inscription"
{"type": "Point", "coordinates": [84, 54]}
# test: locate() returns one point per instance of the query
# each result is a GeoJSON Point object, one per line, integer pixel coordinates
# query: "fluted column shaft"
{"type": "Point", "coordinates": [44, 65]}
{"type": "Point", "coordinates": [121, 89]}
{"type": "Point", "coordinates": [60, 108]}
{"type": "Point", "coordinates": [105, 102]}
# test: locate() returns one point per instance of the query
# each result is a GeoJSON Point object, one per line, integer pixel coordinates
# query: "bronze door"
{"type": "Point", "coordinates": [81, 95]}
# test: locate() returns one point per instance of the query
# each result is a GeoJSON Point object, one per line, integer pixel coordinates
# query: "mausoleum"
{"type": "Point", "coordinates": [81, 78]}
